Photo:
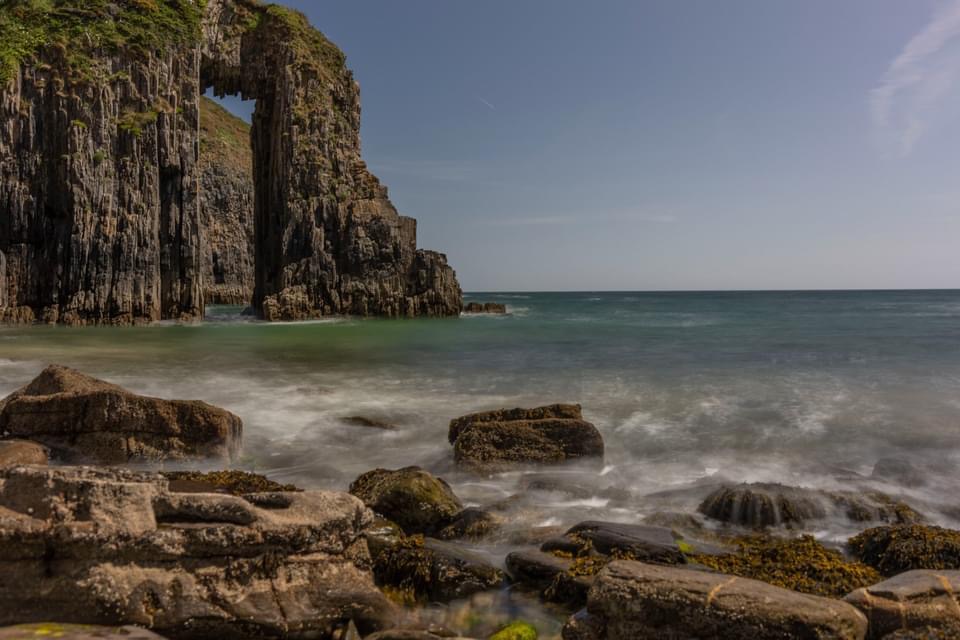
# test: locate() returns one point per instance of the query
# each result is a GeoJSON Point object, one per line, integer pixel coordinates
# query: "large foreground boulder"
{"type": "Point", "coordinates": [114, 547]}
{"type": "Point", "coordinates": [81, 418]}
{"type": "Point", "coordinates": [912, 601]}
{"type": "Point", "coordinates": [498, 440]}
{"type": "Point", "coordinates": [635, 601]}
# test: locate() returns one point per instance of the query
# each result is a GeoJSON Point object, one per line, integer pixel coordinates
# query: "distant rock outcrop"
{"type": "Point", "coordinates": [81, 418]}
{"type": "Point", "coordinates": [101, 177]}
{"type": "Point", "coordinates": [226, 206]}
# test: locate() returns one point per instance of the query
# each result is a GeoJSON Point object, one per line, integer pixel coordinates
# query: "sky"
{"type": "Point", "coordinates": [665, 144]}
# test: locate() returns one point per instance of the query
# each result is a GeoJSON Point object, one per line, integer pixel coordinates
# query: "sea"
{"type": "Point", "coordinates": [689, 389]}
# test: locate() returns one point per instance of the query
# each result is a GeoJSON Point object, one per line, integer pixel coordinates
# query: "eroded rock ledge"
{"type": "Point", "coordinates": [100, 208]}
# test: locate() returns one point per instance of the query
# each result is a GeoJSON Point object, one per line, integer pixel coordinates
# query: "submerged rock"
{"type": "Point", "coordinates": [516, 631]}
{"type": "Point", "coordinates": [22, 452]}
{"type": "Point", "coordinates": [113, 547]}
{"type": "Point", "coordinates": [924, 602]}
{"type": "Point", "coordinates": [632, 600]}
{"type": "Point", "coordinates": [370, 423]}
{"type": "Point", "coordinates": [413, 498]}
{"type": "Point", "coordinates": [760, 505]}
{"type": "Point", "coordinates": [895, 549]}
{"type": "Point", "coordinates": [81, 418]}
{"type": "Point", "coordinates": [899, 470]}
{"type": "Point", "coordinates": [485, 307]}
{"type": "Point", "coordinates": [502, 439]}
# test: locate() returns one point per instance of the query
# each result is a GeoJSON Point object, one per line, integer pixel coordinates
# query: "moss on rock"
{"type": "Point", "coordinates": [413, 498]}
{"type": "Point", "coordinates": [516, 631]}
{"type": "Point", "coordinates": [895, 549]}
{"type": "Point", "coordinates": [84, 27]}
{"type": "Point", "coordinates": [230, 481]}
{"type": "Point", "coordinates": [801, 564]}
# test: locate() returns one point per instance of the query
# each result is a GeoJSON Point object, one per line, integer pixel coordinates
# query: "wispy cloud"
{"type": "Point", "coordinates": [492, 108]}
{"type": "Point", "coordinates": [586, 217]}
{"type": "Point", "coordinates": [917, 80]}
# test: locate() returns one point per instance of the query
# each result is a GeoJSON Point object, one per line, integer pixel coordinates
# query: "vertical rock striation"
{"type": "Point", "coordinates": [100, 201]}
{"type": "Point", "coordinates": [226, 206]}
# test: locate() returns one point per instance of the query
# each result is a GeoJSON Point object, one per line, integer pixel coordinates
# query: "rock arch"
{"type": "Point", "coordinates": [99, 207]}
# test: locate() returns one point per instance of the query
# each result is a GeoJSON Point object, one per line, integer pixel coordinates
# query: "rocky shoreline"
{"type": "Point", "coordinates": [231, 554]}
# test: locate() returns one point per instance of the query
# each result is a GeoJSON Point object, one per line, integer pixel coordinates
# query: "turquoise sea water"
{"type": "Point", "coordinates": [807, 388]}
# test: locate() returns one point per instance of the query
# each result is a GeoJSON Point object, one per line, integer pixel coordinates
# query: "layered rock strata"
{"type": "Point", "coordinates": [100, 201]}
{"type": "Point", "coordinates": [80, 418]}
{"type": "Point", "coordinates": [113, 547]}
{"type": "Point", "coordinates": [226, 206]}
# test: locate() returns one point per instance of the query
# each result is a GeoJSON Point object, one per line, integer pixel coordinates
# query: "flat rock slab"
{"type": "Point", "coordinates": [83, 419]}
{"type": "Point", "coordinates": [55, 630]}
{"type": "Point", "coordinates": [910, 601]}
{"type": "Point", "coordinates": [115, 547]}
{"type": "Point", "coordinates": [636, 601]}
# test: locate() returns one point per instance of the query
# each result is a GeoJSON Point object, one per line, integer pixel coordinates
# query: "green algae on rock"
{"type": "Point", "coordinates": [895, 549]}
{"type": "Point", "coordinates": [516, 631]}
{"type": "Point", "coordinates": [801, 564]}
{"type": "Point", "coordinates": [413, 498]}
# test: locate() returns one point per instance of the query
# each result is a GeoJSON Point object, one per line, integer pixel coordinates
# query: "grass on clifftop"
{"type": "Point", "coordinates": [223, 136]}
{"type": "Point", "coordinates": [83, 27]}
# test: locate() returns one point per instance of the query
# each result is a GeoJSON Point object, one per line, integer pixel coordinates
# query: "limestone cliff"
{"type": "Point", "coordinates": [101, 194]}
{"type": "Point", "coordinates": [226, 206]}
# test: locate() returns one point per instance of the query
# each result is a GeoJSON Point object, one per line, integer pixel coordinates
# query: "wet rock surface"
{"type": "Point", "coordinates": [761, 505]}
{"type": "Point", "coordinates": [114, 547]}
{"type": "Point", "coordinates": [85, 419]}
{"type": "Point", "coordinates": [632, 600]}
{"type": "Point", "coordinates": [413, 498]}
{"type": "Point", "coordinates": [917, 603]}
{"type": "Point", "coordinates": [896, 549]}
{"type": "Point", "coordinates": [499, 440]}
{"type": "Point", "coordinates": [417, 569]}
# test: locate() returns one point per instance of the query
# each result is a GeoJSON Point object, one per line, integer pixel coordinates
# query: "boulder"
{"type": "Point", "coordinates": [419, 569]}
{"type": "Point", "coordinates": [634, 601]}
{"type": "Point", "coordinates": [485, 307]}
{"type": "Point", "coordinates": [81, 418]}
{"type": "Point", "coordinates": [500, 440]}
{"type": "Point", "coordinates": [473, 524]}
{"type": "Point", "coordinates": [413, 498]}
{"type": "Point", "coordinates": [759, 505]}
{"type": "Point", "coordinates": [115, 547]}
{"type": "Point", "coordinates": [22, 452]}
{"type": "Point", "coordinates": [565, 567]}
{"type": "Point", "coordinates": [912, 601]}
{"type": "Point", "coordinates": [47, 630]}
{"type": "Point", "coordinates": [895, 549]}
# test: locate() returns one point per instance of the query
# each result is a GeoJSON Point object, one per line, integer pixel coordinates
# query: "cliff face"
{"type": "Point", "coordinates": [226, 206]}
{"type": "Point", "coordinates": [101, 216]}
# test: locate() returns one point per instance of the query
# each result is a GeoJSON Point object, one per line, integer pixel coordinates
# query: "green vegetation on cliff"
{"type": "Point", "coordinates": [83, 27]}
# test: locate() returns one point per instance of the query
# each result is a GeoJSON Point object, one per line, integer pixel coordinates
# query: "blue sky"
{"type": "Point", "coordinates": [666, 144]}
